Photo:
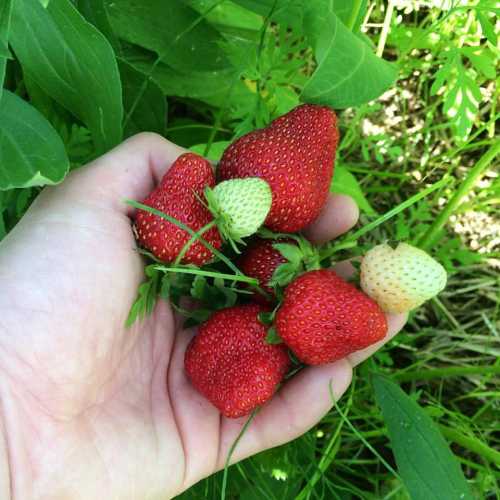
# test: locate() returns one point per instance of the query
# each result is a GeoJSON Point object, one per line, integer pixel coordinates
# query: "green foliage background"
{"type": "Point", "coordinates": [80, 76]}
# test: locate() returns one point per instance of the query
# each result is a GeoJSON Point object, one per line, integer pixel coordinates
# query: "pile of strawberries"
{"type": "Point", "coordinates": [270, 184]}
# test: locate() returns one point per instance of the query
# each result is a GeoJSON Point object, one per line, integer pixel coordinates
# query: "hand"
{"type": "Point", "coordinates": [90, 408]}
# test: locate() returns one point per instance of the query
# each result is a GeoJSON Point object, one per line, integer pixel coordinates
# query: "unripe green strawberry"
{"type": "Point", "coordinates": [240, 206]}
{"type": "Point", "coordinates": [401, 279]}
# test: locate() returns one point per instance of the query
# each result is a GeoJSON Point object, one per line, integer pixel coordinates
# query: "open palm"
{"type": "Point", "coordinates": [92, 409]}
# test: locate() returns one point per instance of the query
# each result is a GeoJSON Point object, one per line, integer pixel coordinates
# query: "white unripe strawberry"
{"type": "Point", "coordinates": [402, 278]}
{"type": "Point", "coordinates": [240, 206]}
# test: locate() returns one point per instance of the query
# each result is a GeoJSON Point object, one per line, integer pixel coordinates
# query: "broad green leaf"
{"type": "Point", "coordinates": [348, 72]}
{"type": "Point", "coordinates": [195, 84]}
{"type": "Point", "coordinates": [95, 12]}
{"type": "Point", "coordinates": [73, 63]}
{"type": "Point", "coordinates": [5, 15]}
{"type": "Point", "coordinates": [178, 34]}
{"type": "Point", "coordinates": [218, 88]}
{"type": "Point", "coordinates": [345, 183]}
{"type": "Point", "coordinates": [343, 9]}
{"type": "Point", "coordinates": [228, 18]}
{"type": "Point", "coordinates": [31, 152]}
{"type": "Point", "coordinates": [144, 102]}
{"type": "Point", "coordinates": [286, 12]}
{"type": "Point", "coordinates": [425, 462]}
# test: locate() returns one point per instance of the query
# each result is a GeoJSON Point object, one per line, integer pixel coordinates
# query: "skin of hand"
{"type": "Point", "coordinates": [88, 406]}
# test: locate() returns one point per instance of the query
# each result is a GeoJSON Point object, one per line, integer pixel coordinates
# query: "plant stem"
{"type": "Point", "coordinates": [209, 274]}
{"type": "Point", "coordinates": [452, 371]}
{"type": "Point", "coordinates": [195, 236]}
{"type": "Point", "coordinates": [429, 238]}
{"type": "Point", "coordinates": [349, 241]}
{"type": "Point", "coordinates": [231, 451]}
{"type": "Point", "coordinates": [385, 28]}
{"type": "Point", "coordinates": [354, 14]}
{"type": "Point", "coordinates": [471, 443]}
{"type": "Point", "coordinates": [183, 226]}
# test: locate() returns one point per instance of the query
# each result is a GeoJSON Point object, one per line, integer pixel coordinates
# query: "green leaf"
{"type": "Point", "coordinates": [483, 60]}
{"type": "Point", "coordinates": [3, 229]}
{"type": "Point", "coordinates": [73, 63]}
{"type": "Point", "coordinates": [214, 153]}
{"type": "Point", "coordinates": [462, 95]}
{"type": "Point", "coordinates": [284, 274]}
{"type": "Point", "coordinates": [217, 88]}
{"type": "Point", "coordinates": [343, 10]}
{"type": "Point", "coordinates": [272, 336]}
{"type": "Point", "coordinates": [146, 296]}
{"type": "Point", "coordinates": [31, 152]}
{"type": "Point", "coordinates": [461, 102]}
{"type": "Point", "coordinates": [345, 183]}
{"type": "Point", "coordinates": [95, 12]}
{"type": "Point", "coordinates": [487, 27]}
{"type": "Point", "coordinates": [178, 34]}
{"type": "Point", "coordinates": [5, 16]}
{"type": "Point", "coordinates": [286, 12]}
{"type": "Point", "coordinates": [266, 318]}
{"type": "Point", "coordinates": [291, 252]}
{"type": "Point", "coordinates": [425, 462]}
{"type": "Point", "coordinates": [228, 18]}
{"type": "Point", "coordinates": [144, 102]}
{"type": "Point", "coordinates": [348, 72]}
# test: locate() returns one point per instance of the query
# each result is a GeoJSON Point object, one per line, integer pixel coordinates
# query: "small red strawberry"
{"type": "Point", "coordinates": [259, 260]}
{"type": "Point", "coordinates": [323, 318]}
{"type": "Point", "coordinates": [177, 196]}
{"type": "Point", "coordinates": [230, 362]}
{"type": "Point", "coordinates": [295, 155]}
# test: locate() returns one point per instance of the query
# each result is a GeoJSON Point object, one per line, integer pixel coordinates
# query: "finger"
{"type": "Point", "coordinates": [197, 419]}
{"type": "Point", "coordinates": [298, 406]}
{"type": "Point", "coordinates": [131, 170]}
{"type": "Point", "coordinates": [339, 214]}
{"type": "Point", "coordinates": [395, 322]}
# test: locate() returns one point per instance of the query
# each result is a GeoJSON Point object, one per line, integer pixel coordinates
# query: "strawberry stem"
{"type": "Point", "coordinates": [231, 451]}
{"type": "Point", "coordinates": [195, 237]}
{"type": "Point", "coordinates": [208, 274]}
{"type": "Point", "coordinates": [219, 255]}
{"type": "Point", "coordinates": [350, 241]}
{"type": "Point", "coordinates": [429, 238]}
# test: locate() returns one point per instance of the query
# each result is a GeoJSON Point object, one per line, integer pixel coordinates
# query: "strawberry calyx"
{"type": "Point", "coordinates": [267, 319]}
{"type": "Point", "coordinates": [300, 254]}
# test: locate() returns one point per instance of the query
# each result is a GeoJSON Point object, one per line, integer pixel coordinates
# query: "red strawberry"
{"type": "Point", "coordinates": [323, 318]}
{"type": "Point", "coordinates": [230, 362]}
{"type": "Point", "coordinates": [295, 155]}
{"type": "Point", "coordinates": [176, 195]}
{"type": "Point", "coordinates": [259, 260]}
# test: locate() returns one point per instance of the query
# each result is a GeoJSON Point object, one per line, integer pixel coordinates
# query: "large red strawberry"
{"type": "Point", "coordinates": [177, 196]}
{"type": "Point", "coordinates": [230, 362]}
{"type": "Point", "coordinates": [295, 155]}
{"type": "Point", "coordinates": [323, 318]}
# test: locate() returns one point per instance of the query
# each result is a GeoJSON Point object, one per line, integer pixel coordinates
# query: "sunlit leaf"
{"type": "Point", "coordinates": [348, 72]}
